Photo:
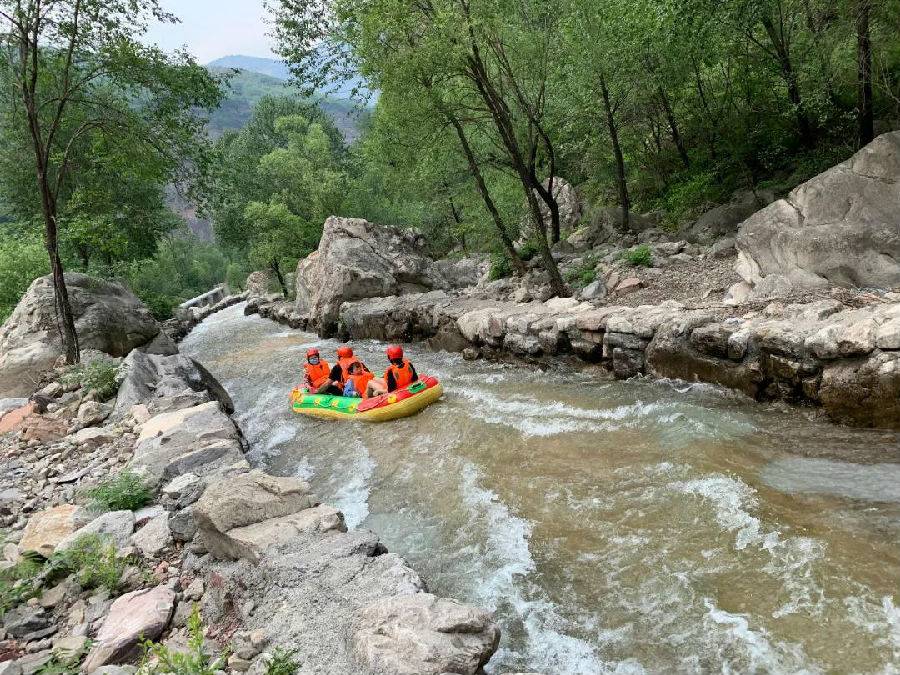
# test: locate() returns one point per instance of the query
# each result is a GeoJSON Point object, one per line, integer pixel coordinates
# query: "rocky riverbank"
{"type": "Point", "coordinates": [272, 571]}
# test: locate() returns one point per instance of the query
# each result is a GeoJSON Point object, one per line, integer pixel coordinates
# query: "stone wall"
{"type": "Point", "coordinates": [826, 354]}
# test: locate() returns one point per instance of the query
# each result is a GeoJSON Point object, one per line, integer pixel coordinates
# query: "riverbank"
{"type": "Point", "coordinates": [210, 531]}
{"type": "Point", "coordinates": [827, 354]}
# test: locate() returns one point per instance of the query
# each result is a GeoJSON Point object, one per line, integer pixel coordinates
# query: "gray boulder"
{"type": "Point", "coordinates": [151, 378]}
{"type": "Point", "coordinates": [424, 634]}
{"type": "Point", "coordinates": [108, 318]}
{"type": "Point", "coordinates": [357, 259]}
{"type": "Point", "coordinates": [842, 228]}
{"type": "Point", "coordinates": [257, 284]}
{"type": "Point", "coordinates": [725, 219]}
{"type": "Point", "coordinates": [117, 526]}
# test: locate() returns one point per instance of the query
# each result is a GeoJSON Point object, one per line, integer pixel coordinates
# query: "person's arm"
{"type": "Point", "coordinates": [391, 382]}
{"type": "Point", "coordinates": [415, 375]}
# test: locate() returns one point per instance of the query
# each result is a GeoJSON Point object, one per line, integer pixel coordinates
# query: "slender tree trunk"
{"type": "Point", "coordinates": [458, 220]}
{"type": "Point", "coordinates": [621, 182]}
{"type": "Point", "coordinates": [673, 127]}
{"type": "Point", "coordinates": [497, 219]}
{"type": "Point", "coordinates": [804, 126]}
{"type": "Point", "coordinates": [276, 267]}
{"type": "Point", "coordinates": [713, 122]}
{"type": "Point", "coordinates": [61, 293]}
{"type": "Point", "coordinates": [864, 108]}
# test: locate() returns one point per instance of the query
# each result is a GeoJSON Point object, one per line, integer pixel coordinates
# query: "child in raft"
{"type": "Point", "coordinates": [401, 373]}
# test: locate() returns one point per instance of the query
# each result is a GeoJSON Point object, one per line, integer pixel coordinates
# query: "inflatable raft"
{"type": "Point", "coordinates": [397, 404]}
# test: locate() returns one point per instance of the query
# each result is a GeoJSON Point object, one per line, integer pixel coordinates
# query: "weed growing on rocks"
{"type": "Point", "coordinates": [159, 659]}
{"type": "Point", "coordinates": [94, 562]}
{"type": "Point", "coordinates": [124, 492]}
{"type": "Point", "coordinates": [640, 256]}
{"type": "Point", "coordinates": [17, 584]}
{"type": "Point", "coordinates": [98, 377]}
{"type": "Point", "coordinates": [282, 662]}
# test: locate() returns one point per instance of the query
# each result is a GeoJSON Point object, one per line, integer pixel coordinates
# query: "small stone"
{"type": "Point", "coordinates": [194, 591]}
{"type": "Point", "coordinates": [54, 596]}
{"type": "Point", "coordinates": [629, 285]}
{"type": "Point", "coordinates": [153, 537]}
{"type": "Point", "coordinates": [237, 663]}
{"type": "Point", "coordinates": [52, 390]}
{"type": "Point", "coordinates": [69, 650]}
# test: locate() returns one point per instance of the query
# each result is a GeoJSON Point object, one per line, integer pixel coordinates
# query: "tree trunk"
{"type": "Point", "coordinates": [497, 219]}
{"type": "Point", "coordinates": [278, 275]}
{"type": "Point", "coordinates": [864, 109]}
{"type": "Point", "coordinates": [621, 183]}
{"type": "Point", "coordinates": [804, 126]}
{"type": "Point", "coordinates": [673, 127]}
{"type": "Point", "coordinates": [64, 314]}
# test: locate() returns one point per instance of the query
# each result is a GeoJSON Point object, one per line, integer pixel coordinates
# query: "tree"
{"type": "Point", "coordinates": [75, 74]}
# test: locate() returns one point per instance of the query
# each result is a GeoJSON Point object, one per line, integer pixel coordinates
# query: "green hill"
{"type": "Point", "coordinates": [246, 88]}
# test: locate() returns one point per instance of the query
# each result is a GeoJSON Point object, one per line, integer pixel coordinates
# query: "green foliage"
{"type": "Point", "coordinates": [158, 659]}
{"type": "Point", "coordinates": [23, 258]}
{"type": "Point", "coordinates": [500, 266]}
{"type": "Point", "coordinates": [125, 491]}
{"type": "Point", "coordinates": [93, 560]}
{"type": "Point", "coordinates": [282, 662]}
{"type": "Point", "coordinates": [584, 274]}
{"type": "Point", "coordinates": [17, 584]}
{"type": "Point", "coordinates": [98, 377]}
{"type": "Point", "coordinates": [639, 256]}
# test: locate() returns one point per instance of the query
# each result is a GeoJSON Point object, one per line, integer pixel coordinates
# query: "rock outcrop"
{"type": "Point", "coordinates": [357, 260]}
{"type": "Point", "coordinates": [108, 318]}
{"type": "Point", "coordinates": [842, 228]}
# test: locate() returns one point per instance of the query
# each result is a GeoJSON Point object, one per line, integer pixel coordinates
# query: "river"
{"type": "Point", "coordinates": [620, 527]}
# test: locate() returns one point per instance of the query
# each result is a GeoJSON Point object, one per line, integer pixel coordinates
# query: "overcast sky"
{"type": "Point", "coordinates": [214, 28]}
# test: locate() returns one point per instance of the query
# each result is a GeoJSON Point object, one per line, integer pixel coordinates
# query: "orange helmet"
{"type": "Point", "coordinates": [312, 352]}
{"type": "Point", "coordinates": [344, 352]}
{"type": "Point", "coordinates": [394, 352]}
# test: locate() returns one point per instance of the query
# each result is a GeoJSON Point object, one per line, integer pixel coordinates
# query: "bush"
{"type": "Point", "coordinates": [93, 560]}
{"type": "Point", "coordinates": [584, 274]}
{"type": "Point", "coordinates": [23, 259]}
{"type": "Point", "coordinates": [500, 267]}
{"type": "Point", "coordinates": [159, 659]}
{"type": "Point", "coordinates": [16, 584]}
{"type": "Point", "coordinates": [124, 492]}
{"type": "Point", "coordinates": [640, 256]}
{"type": "Point", "coordinates": [282, 662]}
{"type": "Point", "coordinates": [98, 377]}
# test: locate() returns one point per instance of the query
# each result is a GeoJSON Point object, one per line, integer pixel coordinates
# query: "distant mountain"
{"type": "Point", "coordinates": [279, 70]}
{"type": "Point", "coordinates": [246, 88]}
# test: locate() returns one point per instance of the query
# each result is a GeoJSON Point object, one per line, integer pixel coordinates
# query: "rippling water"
{"type": "Point", "coordinates": [612, 527]}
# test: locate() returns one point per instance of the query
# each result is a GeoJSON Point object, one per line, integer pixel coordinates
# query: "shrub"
{"type": "Point", "coordinates": [16, 584]}
{"type": "Point", "coordinates": [640, 256]}
{"type": "Point", "coordinates": [93, 560]}
{"type": "Point", "coordinates": [98, 377]}
{"type": "Point", "coordinates": [159, 659]}
{"type": "Point", "coordinates": [282, 662]}
{"type": "Point", "coordinates": [123, 492]}
{"type": "Point", "coordinates": [584, 274]}
{"type": "Point", "coordinates": [23, 259]}
{"type": "Point", "coordinates": [500, 267]}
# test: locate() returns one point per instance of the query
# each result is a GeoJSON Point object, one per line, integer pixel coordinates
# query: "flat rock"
{"type": "Point", "coordinates": [153, 537]}
{"type": "Point", "coordinates": [46, 529]}
{"type": "Point", "coordinates": [135, 616]}
{"type": "Point", "coordinates": [425, 635]}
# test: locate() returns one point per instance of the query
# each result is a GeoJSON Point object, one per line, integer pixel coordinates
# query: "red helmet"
{"type": "Point", "coordinates": [394, 352]}
{"type": "Point", "coordinates": [312, 352]}
{"type": "Point", "coordinates": [344, 352]}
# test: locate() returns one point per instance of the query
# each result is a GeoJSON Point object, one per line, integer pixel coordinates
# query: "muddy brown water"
{"type": "Point", "coordinates": [612, 527]}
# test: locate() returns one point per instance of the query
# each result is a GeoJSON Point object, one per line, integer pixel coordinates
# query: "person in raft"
{"type": "Point", "coordinates": [324, 379]}
{"type": "Point", "coordinates": [401, 373]}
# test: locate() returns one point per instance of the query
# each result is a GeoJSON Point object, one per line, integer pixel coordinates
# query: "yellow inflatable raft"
{"type": "Point", "coordinates": [401, 403]}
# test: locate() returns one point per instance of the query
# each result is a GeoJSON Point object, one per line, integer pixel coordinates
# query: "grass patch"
{"type": "Point", "coordinates": [125, 491]}
{"type": "Point", "coordinates": [98, 377]}
{"type": "Point", "coordinates": [17, 584]}
{"type": "Point", "coordinates": [500, 267]}
{"type": "Point", "coordinates": [639, 256]}
{"type": "Point", "coordinates": [159, 659]}
{"type": "Point", "coordinates": [94, 562]}
{"type": "Point", "coordinates": [282, 662]}
{"type": "Point", "coordinates": [583, 275]}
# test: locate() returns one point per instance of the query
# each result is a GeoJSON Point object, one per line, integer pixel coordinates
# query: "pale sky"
{"type": "Point", "coordinates": [214, 28]}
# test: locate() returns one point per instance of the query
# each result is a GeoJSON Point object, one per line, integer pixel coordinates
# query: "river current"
{"type": "Point", "coordinates": [613, 527]}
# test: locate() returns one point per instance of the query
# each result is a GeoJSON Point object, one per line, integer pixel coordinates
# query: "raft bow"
{"type": "Point", "coordinates": [401, 403]}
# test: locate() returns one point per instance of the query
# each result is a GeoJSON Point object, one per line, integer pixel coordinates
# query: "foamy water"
{"type": "Point", "coordinates": [612, 527]}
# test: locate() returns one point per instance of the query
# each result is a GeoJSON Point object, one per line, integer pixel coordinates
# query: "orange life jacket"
{"type": "Point", "coordinates": [402, 374]}
{"type": "Point", "coordinates": [317, 375]}
{"type": "Point", "coordinates": [345, 368]}
{"type": "Point", "coordinates": [360, 381]}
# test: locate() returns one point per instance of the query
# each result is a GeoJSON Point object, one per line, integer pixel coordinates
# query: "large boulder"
{"type": "Point", "coordinates": [108, 318]}
{"type": "Point", "coordinates": [357, 259]}
{"type": "Point", "coordinates": [842, 228]}
{"type": "Point", "coordinates": [425, 635]}
{"type": "Point", "coordinates": [257, 284]}
{"type": "Point", "coordinates": [243, 516]}
{"type": "Point", "coordinates": [725, 219]}
{"type": "Point", "coordinates": [605, 224]}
